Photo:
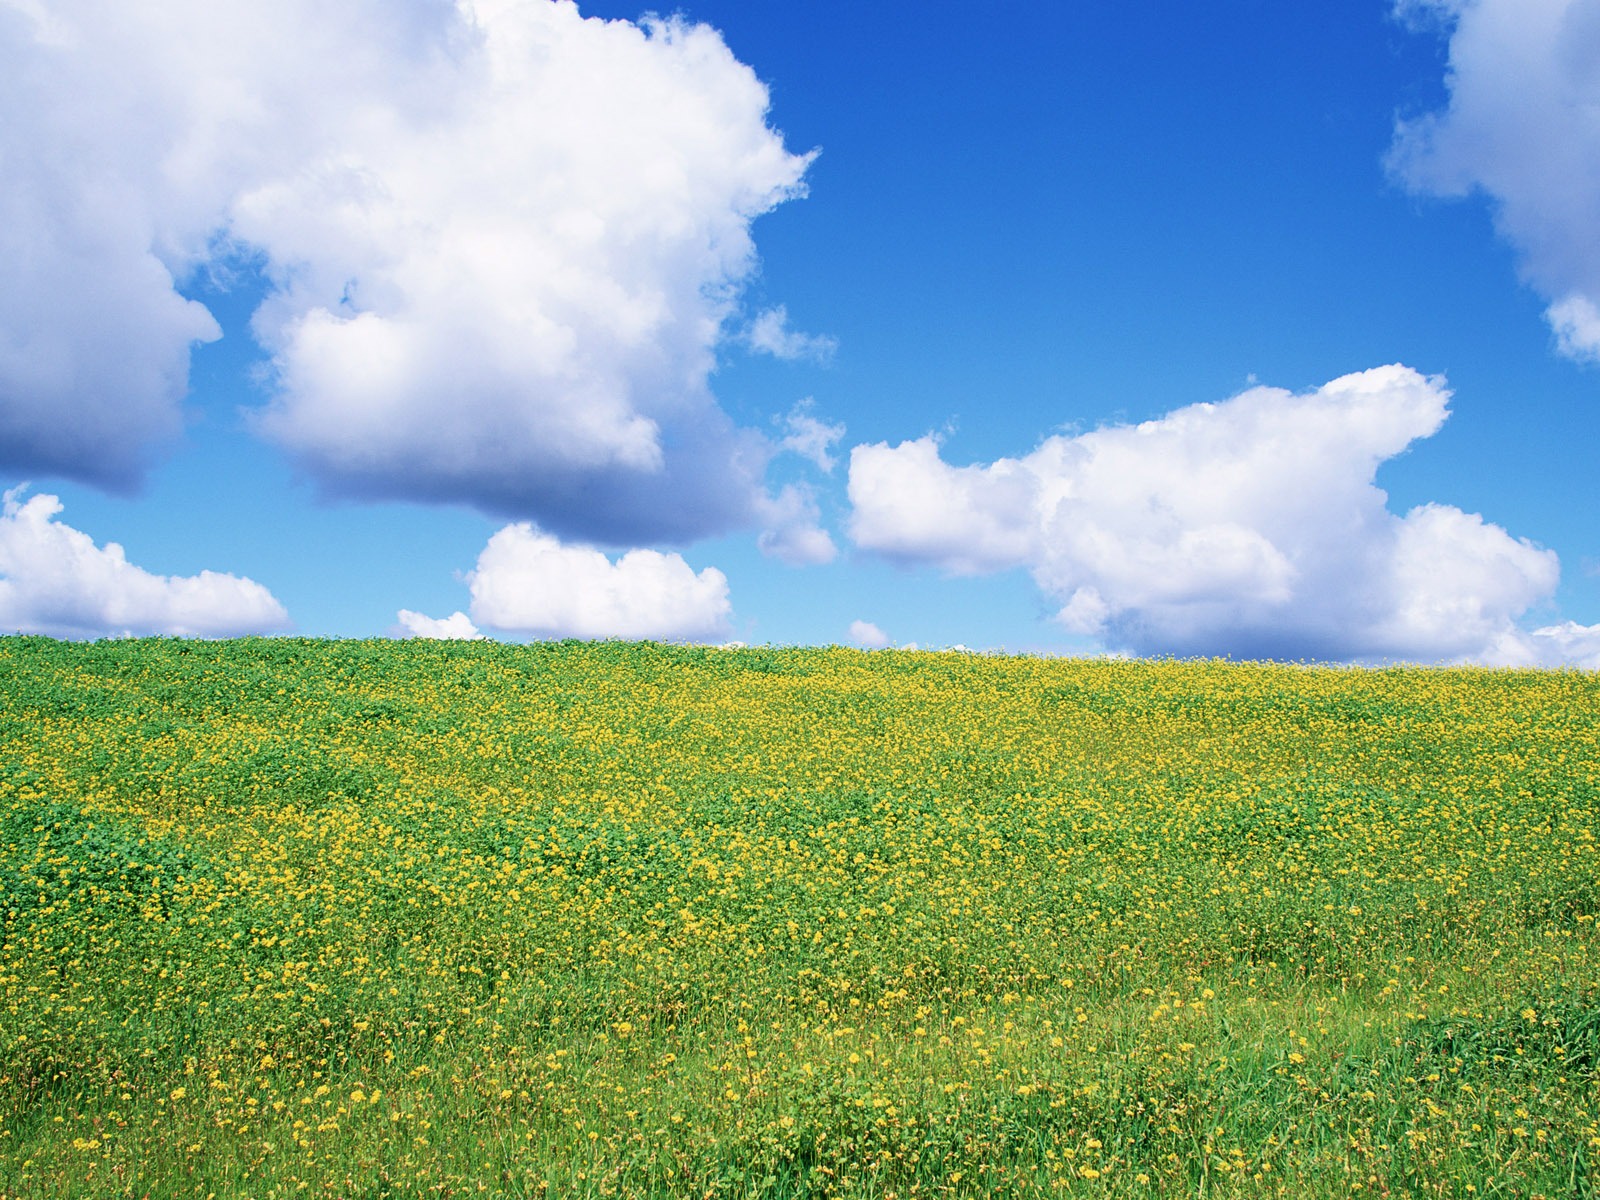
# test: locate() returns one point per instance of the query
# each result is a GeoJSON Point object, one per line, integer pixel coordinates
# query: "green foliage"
{"type": "Point", "coordinates": [60, 854]}
{"type": "Point", "coordinates": [282, 916]}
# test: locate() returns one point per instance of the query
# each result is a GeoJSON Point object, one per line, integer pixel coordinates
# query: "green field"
{"type": "Point", "coordinates": [454, 919]}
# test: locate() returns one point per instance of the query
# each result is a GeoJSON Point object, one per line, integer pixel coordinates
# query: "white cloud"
{"type": "Point", "coordinates": [867, 635]}
{"type": "Point", "coordinates": [913, 507]}
{"type": "Point", "coordinates": [793, 535]}
{"type": "Point", "coordinates": [1523, 126]}
{"type": "Point", "coordinates": [1085, 611]}
{"type": "Point", "coordinates": [54, 580]}
{"type": "Point", "coordinates": [529, 582]}
{"type": "Point", "coordinates": [1250, 527]}
{"type": "Point", "coordinates": [770, 333]}
{"type": "Point", "coordinates": [1576, 322]}
{"type": "Point", "coordinates": [456, 627]}
{"type": "Point", "coordinates": [94, 341]}
{"type": "Point", "coordinates": [1456, 583]}
{"type": "Point", "coordinates": [799, 545]}
{"type": "Point", "coordinates": [503, 243]}
{"type": "Point", "coordinates": [126, 131]}
{"type": "Point", "coordinates": [809, 437]}
{"type": "Point", "coordinates": [1566, 644]}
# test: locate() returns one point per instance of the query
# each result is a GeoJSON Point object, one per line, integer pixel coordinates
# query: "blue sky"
{"type": "Point", "coordinates": [535, 325]}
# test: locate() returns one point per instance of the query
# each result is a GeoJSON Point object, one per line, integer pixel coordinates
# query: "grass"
{"type": "Point", "coordinates": [365, 919]}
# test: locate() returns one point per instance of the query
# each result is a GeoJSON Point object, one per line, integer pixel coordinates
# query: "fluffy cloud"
{"type": "Point", "coordinates": [770, 333]}
{"type": "Point", "coordinates": [913, 507]}
{"type": "Point", "coordinates": [1576, 322]}
{"type": "Point", "coordinates": [1250, 527]}
{"type": "Point", "coordinates": [799, 545]}
{"type": "Point", "coordinates": [128, 131]}
{"type": "Point", "coordinates": [54, 580]}
{"type": "Point", "coordinates": [529, 582]}
{"type": "Point", "coordinates": [792, 533]}
{"type": "Point", "coordinates": [456, 627]}
{"type": "Point", "coordinates": [94, 341]}
{"type": "Point", "coordinates": [810, 437]}
{"type": "Point", "coordinates": [1567, 644]}
{"type": "Point", "coordinates": [867, 635]}
{"type": "Point", "coordinates": [503, 242]}
{"type": "Point", "coordinates": [1523, 126]}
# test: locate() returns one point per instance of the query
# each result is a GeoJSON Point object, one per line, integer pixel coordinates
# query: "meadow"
{"type": "Point", "coordinates": [366, 919]}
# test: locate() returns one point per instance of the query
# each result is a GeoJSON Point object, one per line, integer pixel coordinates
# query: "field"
{"type": "Point", "coordinates": [454, 919]}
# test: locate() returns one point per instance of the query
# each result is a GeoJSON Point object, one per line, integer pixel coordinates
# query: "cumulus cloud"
{"type": "Point", "coordinates": [1250, 527]}
{"type": "Point", "coordinates": [867, 635]}
{"type": "Point", "coordinates": [911, 506]}
{"type": "Point", "coordinates": [54, 580]}
{"type": "Point", "coordinates": [810, 437]}
{"type": "Point", "coordinates": [1567, 644]}
{"type": "Point", "coordinates": [799, 545]}
{"type": "Point", "coordinates": [94, 341]}
{"type": "Point", "coordinates": [1522, 125]}
{"type": "Point", "coordinates": [457, 627]}
{"type": "Point", "coordinates": [1576, 322]}
{"type": "Point", "coordinates": [125, 132]}
{"type": "Point", "coordinates": [502, 241]}
{"type": "Point", "coordinates": [529, 582]}
{"type": "Point", "coordinates": [770, 333]}
{"type": "Point", "coordinates": [793, 535]}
